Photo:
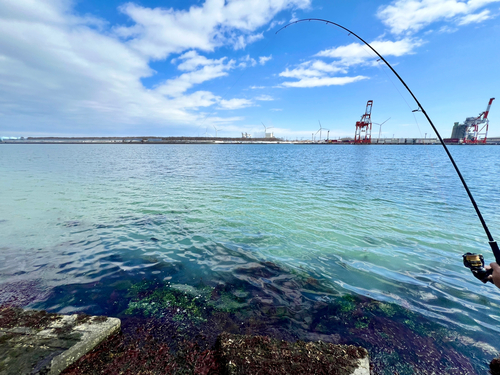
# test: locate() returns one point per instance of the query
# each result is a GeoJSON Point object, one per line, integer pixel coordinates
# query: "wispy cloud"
{"type": "Point", "coordinates": [158, 32]}
{"type": "Point", "coordinates": [315, 73]}
{"type": "Point", "coordinates": [357, 53]}
{"type": "Point", "coordinates": [323, 81]}
{"type": "Point", "coordinates": [313, 68]}
{"type": "Point", "coordinates": [192, 60]}
{"type": "Point", "coordinates": [241, 41]}
{"type": "Point", "coordinates": [210, 70]}
{"type": "Point", "coordinates": [235, 103]}
{"type": "Point", "coordinates": [264, 59]}
{"type": "Point", "coordinates": [247, 60]}
{"type": "Point", "coordinates": [60, 71]}
{"type": "Point", "coordinates": [275, 24]}
{"type": "Point", "coordinates": [410, 16]}
{"type": "Point", "coordinates": [475, 17]}
{"type": "Point", "coordinates": [266, 98]}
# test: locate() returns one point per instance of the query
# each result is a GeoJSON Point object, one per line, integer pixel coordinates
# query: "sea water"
{"type": "Point", "coordinates": [389, 222]}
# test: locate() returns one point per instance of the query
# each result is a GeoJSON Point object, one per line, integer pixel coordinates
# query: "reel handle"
{"type": "Point", "coordinates": [483, 274]}
{"type": "Point", "coordinates": [475, 262]}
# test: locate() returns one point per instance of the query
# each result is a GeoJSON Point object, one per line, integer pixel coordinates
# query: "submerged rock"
{"type": "Point", "coordinates": [245, 354]}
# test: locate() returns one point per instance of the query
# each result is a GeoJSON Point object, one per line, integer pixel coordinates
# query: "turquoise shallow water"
{"type": "Point", "coordinates": [387, 222]}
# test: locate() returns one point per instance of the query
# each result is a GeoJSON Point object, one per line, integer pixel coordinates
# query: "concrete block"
{"type": "Point", "coordinates": [35, 342]}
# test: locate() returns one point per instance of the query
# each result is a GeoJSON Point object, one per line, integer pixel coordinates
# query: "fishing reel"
{"type": "Point", "coordinates": [475, 262]}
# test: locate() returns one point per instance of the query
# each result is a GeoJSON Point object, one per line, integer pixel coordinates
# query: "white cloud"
{"type": "Point", "coordinates": [60, 72]}
{"type": "Point", "coordinates": [257, 87]}
{"type": "Point", "coordinates": [356, 53]}
{"type": "Point", "coordinates": [475, 18]}
{"type": "Point", "coordinates": [264, 59]}
{"type": "Point", "coordinates": [266, 98]}
{"type": "Point", "coordinates": [195, 100]}
{"type": "Point", "coordinates": [43, 11]}
{"type": "Point", "coordinates": [274, 24]}
{"type": "Point", "coordinates": [159, 32]}
{"type": "Point", "coordinates": [294, 18]}
{"type": "Point", "coordinates": [409, 16]}
{"type": "Point", "coordinates": [247, 60]}
{"type": "Point", "coordinates": [243, 41]}
{"type": "Point", "coordinates": [313, 68]}
{"type": "Point", "coordinates": [235, 103]}
{"type": "Point", "coordinates": [254, 38]}
{"type": "Point", "coordinates": [315, 73]}
{"type": "Point", "coordinates": [301, 72]}
{"type": "Point", "coordinates": [191, 60]}
{"type": "Point", "coordinates": [211, 69]}
{"type": "Point", "coordinates": [323, 81]}
{"type": "Point", "coordinates": [447, 29]}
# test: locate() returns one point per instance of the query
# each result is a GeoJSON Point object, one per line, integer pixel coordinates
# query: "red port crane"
{"type": "Point", "coordinates": [472, 131]}
{"type": "Point", "coordinates": [363, 133]}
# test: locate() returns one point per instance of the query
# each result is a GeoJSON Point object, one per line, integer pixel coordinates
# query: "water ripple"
{"type": "Point", "coordinates": [390, 222]}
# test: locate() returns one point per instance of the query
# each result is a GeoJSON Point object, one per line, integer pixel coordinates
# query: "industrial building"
{"type": "Point", "coordinates": [470, 131]}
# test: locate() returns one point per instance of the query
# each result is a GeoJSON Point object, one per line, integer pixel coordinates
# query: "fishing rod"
{"type": "Point", "coordinates": [475, 262]}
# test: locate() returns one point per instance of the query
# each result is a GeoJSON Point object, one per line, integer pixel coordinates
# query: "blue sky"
{"type": "Point", "coordinates": [180, 67]}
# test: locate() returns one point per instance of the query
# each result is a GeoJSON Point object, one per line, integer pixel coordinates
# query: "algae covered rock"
{"type": "Point", "coordinates": [244, 354]}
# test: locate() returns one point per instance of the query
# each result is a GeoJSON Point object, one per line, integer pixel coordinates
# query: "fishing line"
{"type": "Point", "coordinates": [381, 67]}
{"type": "Point", "coordinates": [440, 187]}
{"type": "Point", "coordinates": [473, 261]}
{"type": "Point", "coordinates": [430, 160]}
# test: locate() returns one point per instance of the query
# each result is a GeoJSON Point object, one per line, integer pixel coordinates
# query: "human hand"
{"type": "Point", "coordinates": [495, 276]}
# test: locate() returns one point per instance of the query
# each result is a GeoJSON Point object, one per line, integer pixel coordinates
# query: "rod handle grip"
{"type": "Point", "coordinates": [483, 274]}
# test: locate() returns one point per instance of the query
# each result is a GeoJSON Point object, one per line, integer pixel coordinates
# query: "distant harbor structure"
{"type": "Point", "coordinates": [470, 131]}
{"type": "Point", "coordinates": [245, 139]}
{"type": "Point", "coordinates": [363, 134]}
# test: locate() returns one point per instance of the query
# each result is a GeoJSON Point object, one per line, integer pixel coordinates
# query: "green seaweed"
{"type": "Point", "coordinates": [347, 303]}
{"type": "Point", "coordinates": [387, 308]}
{"type": "Point", "coordinates": [363, 322]}
{"type": "Point", "coordinates": [137, 288]}
{"type": "Point", "coordinates": [411, 324]}
{"type": "Point", "coordinates": [228, 302]}
{"type": "Point", "coordinates": [167, 299]}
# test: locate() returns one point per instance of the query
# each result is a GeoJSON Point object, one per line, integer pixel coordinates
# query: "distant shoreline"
{"type": "Point", "coordinates": [220, 140]}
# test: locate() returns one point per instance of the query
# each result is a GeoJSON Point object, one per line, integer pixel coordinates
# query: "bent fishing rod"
{"type": "Point", "coordinates": [475, 262]}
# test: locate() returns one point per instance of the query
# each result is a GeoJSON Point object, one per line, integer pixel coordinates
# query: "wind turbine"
{"type": "Point", "coordinates": [265, 128]}
{"type": "Point", "coordinates": [320, 129]}
{"type": "Point", "coordinates": [380, 127]}
{"type": "Point", "coordinates": [215, 131]}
